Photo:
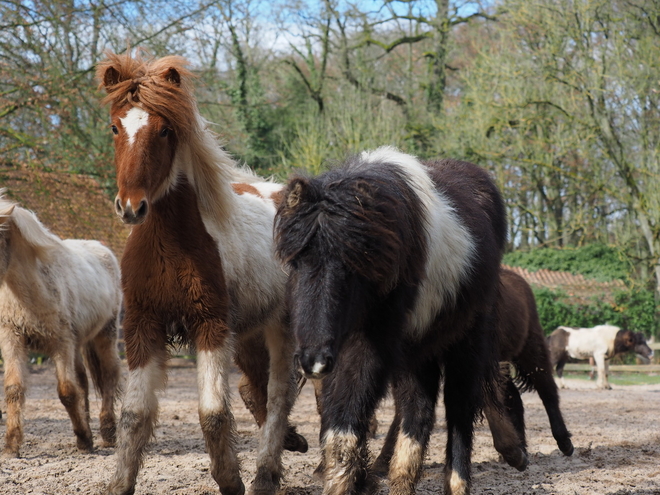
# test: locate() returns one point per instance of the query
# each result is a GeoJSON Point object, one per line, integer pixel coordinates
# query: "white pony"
{"type": "Point", "coordinates": [61, 298]}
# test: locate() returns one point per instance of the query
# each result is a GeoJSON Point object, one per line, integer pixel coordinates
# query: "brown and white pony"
{"type": "Point", "coordinates": [61, 298]}
{"type": "Point", "coordinates": [200, 260]}
{"type": "Point", "coordinates": [601, 343]}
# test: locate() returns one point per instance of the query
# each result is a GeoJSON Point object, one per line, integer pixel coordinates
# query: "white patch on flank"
{"type": "Point", "coordinates": [450, 244]}
{"type": "Point", "coordinates": [135, 119]}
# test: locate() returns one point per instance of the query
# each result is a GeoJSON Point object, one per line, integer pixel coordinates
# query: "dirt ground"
{"type": "Point", "coordinates": [616, 434]}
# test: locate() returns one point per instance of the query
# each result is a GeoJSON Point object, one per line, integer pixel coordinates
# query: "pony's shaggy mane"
{"type": "Point", "coordinates": [369, 217]}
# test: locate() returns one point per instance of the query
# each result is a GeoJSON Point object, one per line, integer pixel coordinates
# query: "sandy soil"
{"type": "Point", "coordinates": [616, 434]}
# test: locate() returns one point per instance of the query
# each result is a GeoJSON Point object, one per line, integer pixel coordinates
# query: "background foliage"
{"type": "Point", "coordinates": [559, 99]}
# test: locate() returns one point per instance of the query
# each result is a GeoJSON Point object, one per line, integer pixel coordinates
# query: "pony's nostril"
{"type": "Point", "coordinates": [118, 207]}
{"type": "Point", "coordinates": [329, 363]}
{"type": "Point", "coordinates": [142, 209]}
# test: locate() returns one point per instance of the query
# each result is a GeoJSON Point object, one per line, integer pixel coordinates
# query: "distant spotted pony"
{"type": "Point", "coordinates": [394, 269]}
{"type": "Point", "coordinates": [61, 298]}
{"type": "Point", "coordinates": [601, 343]}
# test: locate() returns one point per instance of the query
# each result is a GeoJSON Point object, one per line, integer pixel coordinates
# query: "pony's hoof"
{"type": "Point", "coordinates": [380, 468]}
{"type": "Point", "coordinates": [113, 489]}
{"type": "Point", "coordinates": [517, 459]}
{"type": "Point", "coordinates": [265, 483]}
{"type": "Point", "coordinates": [85, 445]}
{"type": "Point", "coordinates": [10, 454]}
{"type": "Point", "coordinates": [566, 447]}
{"type": "Point", "coordinates": [109, 435]}
{"type": "Point", "coordinates": [294, 442]}
{"type": "Point", "coordinates": [233, 490]}
{"type": "Point", "coordinates": [523, 463]}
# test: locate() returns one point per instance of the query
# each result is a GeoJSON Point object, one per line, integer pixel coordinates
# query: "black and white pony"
{"type": "Point", "coordinates": [393, 274]}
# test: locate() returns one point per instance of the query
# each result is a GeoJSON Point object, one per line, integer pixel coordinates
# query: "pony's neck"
{"type": "Point", "coordinates": [23, 275]}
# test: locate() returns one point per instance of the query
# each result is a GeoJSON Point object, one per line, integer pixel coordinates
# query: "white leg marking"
{"type": "Point", "coordinates": [457, 485]}
{"type": "Point", "coordinates": [341, 455]}
{"type": "Point", "coordinates": [407, 459]}
{"type": "Point", "coordinates": [141, 386]}
{"type": "Point", "coordinates": [212, 380]}
{"type": "Point", "coordinates": [135, 119]}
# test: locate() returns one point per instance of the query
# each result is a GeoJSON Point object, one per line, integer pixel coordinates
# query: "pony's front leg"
{"type": "Point", "coordinates": [146, 375]}
{"type": "Point", "coordinates": [415, 394]}
{"type": "Point", "coordinates": [14, 355]}
{"type": "Point", "coordinates": [601, 366]}
{"type": "Point", "coordinates": [72, 389]}
{"type": "Point", "coordinates": [215, 416]}
{"type": "Point", "coordinates": [350, 396]}
{"type": "Point", "coordinates": [281, 396]}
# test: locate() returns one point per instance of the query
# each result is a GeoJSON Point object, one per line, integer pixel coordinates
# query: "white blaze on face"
{"type": "Point", "coordinates": [135, 119]}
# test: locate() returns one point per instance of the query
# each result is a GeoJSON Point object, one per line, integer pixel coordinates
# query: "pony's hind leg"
{"type": "Point", "coordinates": [534, 364]}
{"type": "Point", "coordinates": [281, 396]}
{"type": "Point", "coordinates": [252, 358]}
{"type": "Point", "coordinates": [14, 355]}
{"type": "Point", "coordinates": [72, 389]}
{"type": "Point", "coordinates": [415, 394]}
{"type": "Point", "coordinates": [216, 419]}
{"type": "Point", "coordinates": [146, 375]}
{"type": "Point", "coordinates": [103, 362]}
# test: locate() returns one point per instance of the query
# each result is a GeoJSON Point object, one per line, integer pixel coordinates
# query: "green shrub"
{"type": "Point", "coordinates": [635, 310]}
{"type": "Point", "coordinates": [597, 261]}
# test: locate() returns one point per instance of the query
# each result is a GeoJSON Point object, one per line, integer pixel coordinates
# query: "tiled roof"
{"type": "Point", "coordinates": [574, 285]}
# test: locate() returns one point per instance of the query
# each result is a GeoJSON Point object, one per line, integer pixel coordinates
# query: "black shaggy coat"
{"type": "Point", "coordinates": [357, 243]}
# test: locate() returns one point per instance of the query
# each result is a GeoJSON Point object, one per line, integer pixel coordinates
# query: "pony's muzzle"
{"type": "Point", "coordinates": [315, 364]}
{"type": "Point", "coordinates": [130, 215]}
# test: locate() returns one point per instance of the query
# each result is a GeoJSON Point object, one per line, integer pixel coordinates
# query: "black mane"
{"type": "Point", "coordinates": [367, 215]}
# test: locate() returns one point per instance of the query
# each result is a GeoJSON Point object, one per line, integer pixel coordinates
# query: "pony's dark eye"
{"type": "Point", "coordinates": [114, 129]}
{"type": "Point", "coordinates": [165, 132]}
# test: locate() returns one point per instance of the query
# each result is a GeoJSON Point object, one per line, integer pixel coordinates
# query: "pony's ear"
{"type": "Point", "coordinates": [364, 189]}
{"type": "Point", "coordinates": [172, 75]}
{"type": "Point", "coordinates": [296, 193]}
{"type": "Point", "coordinates": [111, 77]}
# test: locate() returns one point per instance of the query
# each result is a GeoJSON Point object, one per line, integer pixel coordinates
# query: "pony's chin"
{"type": "Point", "coordinates": [315, 375]}
{"type": "Point", "coordinates": [132, 220]}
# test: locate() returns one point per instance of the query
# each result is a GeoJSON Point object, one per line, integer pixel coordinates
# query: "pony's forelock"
{"type": "Point", "coordinates": [161, 86]}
